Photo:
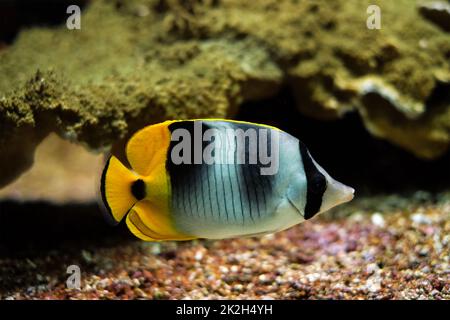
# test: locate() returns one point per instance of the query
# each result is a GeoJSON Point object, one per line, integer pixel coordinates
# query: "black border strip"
{"type": "Point", "coordinates": [103, 191]}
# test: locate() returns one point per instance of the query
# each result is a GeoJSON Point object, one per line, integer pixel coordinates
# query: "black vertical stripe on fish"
{"type": "Point", "coordinates": [249, 201]}
{"type": "Point", "coordinates": [181, 191]}
{"type": "Point", "coordinates": [254, 195]}
{"type": "Point", "coordinates": [209, 190]}
{"type": "Point", "coordinates": [229, 145]}
{"type": "Point", "coordinates": [234, 182]}
{"type": "Point", "coordinates": [224, 144]}
{"type": "Point", "coordinates": [182, 194]}
{"type": "Point", "coordinates": [224, 193]}
{"type": "Point", "coordinates": [245, 173]}
{"type": "Point", "coordinates": [194, 184]}
{"type": "Point", "coordinates": [253, 179]}
{"type": "Point", "coordinates": [181, 174]}
{"type": "Point", "coordinates": [180, 197]}
{"type": "Point", "coordinates": [251, 188]}
{"type": "Point", "coordinates": [176, 203]}
{"type": "Point", "coordinates": [182, 188]}
{"type": "Point", "coordinates": [316, 184]}
{"type": "Point", "coordinates": [266, 183]}
{"type": "Point", "coordinates": [189, 194]}
{"type": "Point", "coordinates": [261, 187]}
{"type": "Point", "coordinates": [202, 182]}
{"type": "Point", "coordinates": [217, 192]}
{"type": "Point", "coordinates": [256, 176]}
{"type": "Point", "coordinates": [232, 193]}
{"type": "Point", "coordinates": [239, 184]}
{"type": "Point", "coordinates": [175, 198]}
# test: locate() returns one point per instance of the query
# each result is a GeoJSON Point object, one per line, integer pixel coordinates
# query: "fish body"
{"type": "Point", "coordinates": [216, 179]}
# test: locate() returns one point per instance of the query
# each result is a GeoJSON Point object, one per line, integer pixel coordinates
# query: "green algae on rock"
{"type": "Point", "coordinates": [143, 61]}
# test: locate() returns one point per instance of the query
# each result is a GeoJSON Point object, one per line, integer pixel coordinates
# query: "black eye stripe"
{"type": "Point", "coordinates": [316, 184]}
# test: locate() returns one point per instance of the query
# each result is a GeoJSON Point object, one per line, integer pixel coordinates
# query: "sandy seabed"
{"type": "Point", "coordinates": [366, 255]}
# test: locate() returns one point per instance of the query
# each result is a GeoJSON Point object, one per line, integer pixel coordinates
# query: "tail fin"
{"type": "Point", "coordinates": [116, 188]}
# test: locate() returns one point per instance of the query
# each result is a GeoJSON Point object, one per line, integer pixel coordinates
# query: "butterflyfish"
{"type": "Point", "coordinates": [216, 179]}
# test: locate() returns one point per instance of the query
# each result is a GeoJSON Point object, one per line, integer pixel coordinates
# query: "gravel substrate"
{"type": "Point", "coordinates": [402, 254]}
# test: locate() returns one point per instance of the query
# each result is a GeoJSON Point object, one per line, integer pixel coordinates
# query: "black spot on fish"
{"type": "Point", "coordinates": [138, 189]}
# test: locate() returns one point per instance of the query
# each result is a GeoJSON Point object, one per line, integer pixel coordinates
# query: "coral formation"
{"type": "Point", "coordinates": [437, 12]}
{"type": "Point", "coordinates": [143, 61]}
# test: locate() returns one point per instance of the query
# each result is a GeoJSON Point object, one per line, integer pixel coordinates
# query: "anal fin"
{"type": "Point", "coordinates": [150, 224]}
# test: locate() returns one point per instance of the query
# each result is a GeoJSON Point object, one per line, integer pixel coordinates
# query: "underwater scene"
{"type": "Point", "coordinates": [225, 150]}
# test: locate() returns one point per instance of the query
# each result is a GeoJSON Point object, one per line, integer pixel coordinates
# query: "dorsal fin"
{"type": "Point", "coordinates": [238, 122]}
{"type": "Point", "coordinates": [148, 147]}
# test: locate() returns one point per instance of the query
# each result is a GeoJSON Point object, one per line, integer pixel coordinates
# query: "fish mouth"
{"type": "Point", "coordinates": [337, 193]}
{"type": "Point", "coordinates": [350, 194]}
